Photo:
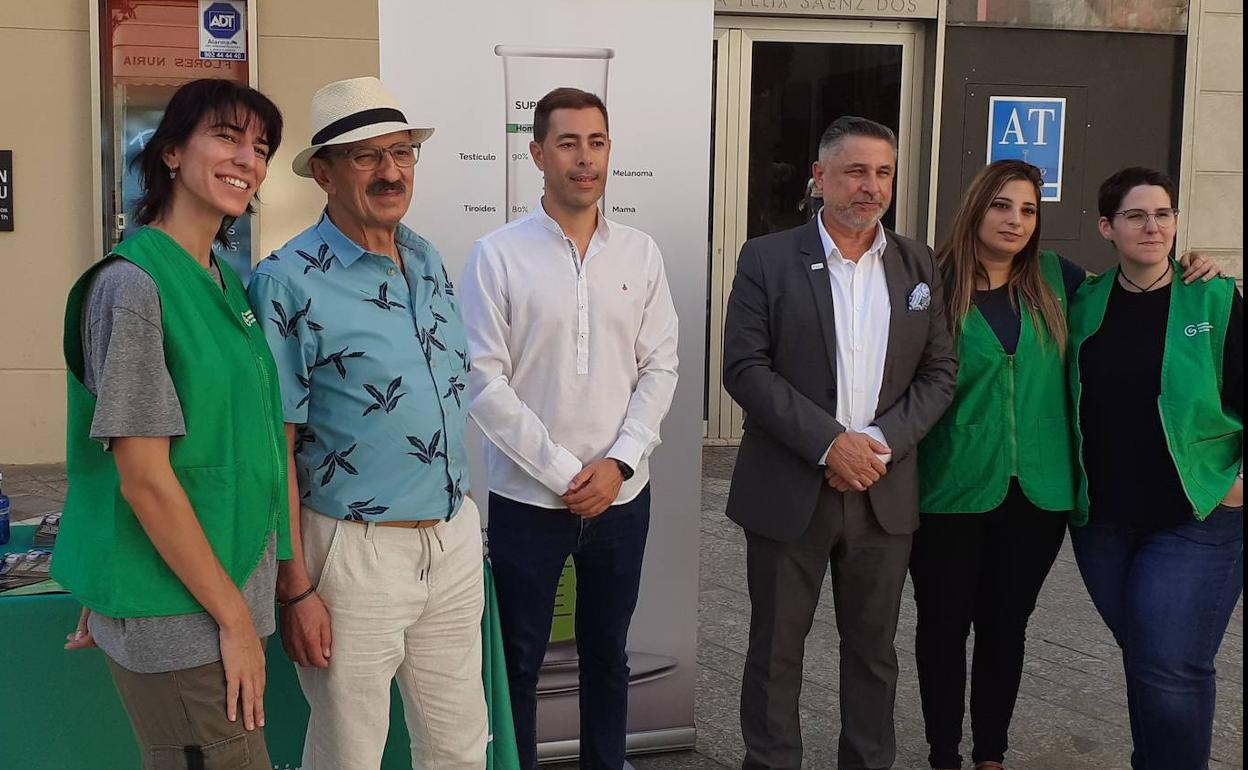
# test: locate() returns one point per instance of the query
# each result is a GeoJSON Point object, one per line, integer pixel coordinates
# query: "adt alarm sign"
{"type": "Point", "coordinates": [221, 21]}
{"type": "Point", "coordinates": [1031, 129]}
{"type": "Point", "coordinates": [223, 29]}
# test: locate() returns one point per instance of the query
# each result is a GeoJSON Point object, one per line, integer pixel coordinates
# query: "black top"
{"type": "Point", "coordinates": [1005, 320]}
{"type": "Point", "coordinates": [1131, 477]}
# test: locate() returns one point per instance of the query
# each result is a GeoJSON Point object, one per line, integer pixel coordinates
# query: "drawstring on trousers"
{"type": "Point", "coordinates": [425, 534]}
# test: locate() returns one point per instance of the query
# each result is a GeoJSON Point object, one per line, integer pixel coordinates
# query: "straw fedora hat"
{"type": "Point", "coordinates": [347, 111]}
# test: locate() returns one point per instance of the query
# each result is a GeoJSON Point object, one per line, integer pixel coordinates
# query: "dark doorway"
{"type": "Point", "coordinates": [1124, 107]}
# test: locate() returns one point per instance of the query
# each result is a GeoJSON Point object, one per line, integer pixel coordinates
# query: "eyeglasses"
{"type": "Point", "coordinates": [369, 158]}
{"type": "Point", "coordinates": [1137, 219]}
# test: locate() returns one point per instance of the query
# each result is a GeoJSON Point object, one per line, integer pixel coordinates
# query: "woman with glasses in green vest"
{"type": "Point", "coordinates": [177, 507]}
{"type": "Point", "coordinates": [1156, 382]}
{"type": "Point", "coordinates": [996, 473]}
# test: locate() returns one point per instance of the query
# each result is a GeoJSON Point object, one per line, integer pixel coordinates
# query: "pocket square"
{"type": "Point", "coordinates": [920, 297]}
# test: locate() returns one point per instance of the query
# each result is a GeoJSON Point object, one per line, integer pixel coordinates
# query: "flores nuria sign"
{"type": "Point", "coordinates": [223, 29]}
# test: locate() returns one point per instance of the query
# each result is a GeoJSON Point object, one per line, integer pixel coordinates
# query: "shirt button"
{"type": "Point", "coordinates": [390, 271]}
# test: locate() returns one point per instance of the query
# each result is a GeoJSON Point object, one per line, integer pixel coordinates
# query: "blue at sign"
{"type": "Point", "coordinates": [222, 21]}
{"type": "Point", "coordinates": [1031, 129]}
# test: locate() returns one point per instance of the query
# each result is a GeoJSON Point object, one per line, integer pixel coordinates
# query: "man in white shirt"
{"type": "Point", "coordinates": [836, 347]}
{"type": "Point", "coordinates": [572, 335]}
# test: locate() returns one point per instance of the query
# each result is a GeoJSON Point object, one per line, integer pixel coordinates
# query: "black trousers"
{"type": "Point", "coordinates": [985, 570]}
{"type": "Point", "coordinates": [868, 567]}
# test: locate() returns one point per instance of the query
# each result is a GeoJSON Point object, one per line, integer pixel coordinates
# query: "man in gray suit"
{"type": "Point", "coordinates": [837, 348]}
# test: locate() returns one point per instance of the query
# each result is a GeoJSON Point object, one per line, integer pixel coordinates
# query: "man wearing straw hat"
{"type": "Point", "coordinates": [386, 580]}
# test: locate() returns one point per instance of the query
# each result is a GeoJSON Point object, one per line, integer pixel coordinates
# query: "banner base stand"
{"type": "Point", "coordinates": [649, 742]}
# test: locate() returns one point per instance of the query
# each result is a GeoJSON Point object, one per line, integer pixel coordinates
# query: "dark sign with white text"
{"type": "Point", "coordinates": [6, 191]}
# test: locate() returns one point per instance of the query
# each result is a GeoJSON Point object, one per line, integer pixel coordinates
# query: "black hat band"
{"type": "Point", "coordinates": [358, 120]}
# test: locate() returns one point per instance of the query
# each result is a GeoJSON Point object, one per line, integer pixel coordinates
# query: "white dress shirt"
{"type": "Point", "coordinates": [572, 360]}
{"type": "Point", "coordinates": [862, 311]}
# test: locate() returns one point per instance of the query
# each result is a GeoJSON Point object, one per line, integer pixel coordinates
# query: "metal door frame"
{"type": "Point", "coordinates": [734, 40]}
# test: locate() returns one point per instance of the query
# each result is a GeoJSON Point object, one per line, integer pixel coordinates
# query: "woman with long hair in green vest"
{"type": "Point", "coordinates": [177, 505]}
{"type": "Point", "coordinates": [996, 473]}
{"type": "Point", "coordinates": [1157, 393]}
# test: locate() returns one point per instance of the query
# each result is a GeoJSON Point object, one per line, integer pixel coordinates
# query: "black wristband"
{"type": "Point", "coordinates": [625, 470]}
{"type": "Point", "coordinates": [292, 602]}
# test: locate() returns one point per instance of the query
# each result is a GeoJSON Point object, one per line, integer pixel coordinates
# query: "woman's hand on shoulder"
{"type": "Point", "coordinates": [1198, 266]}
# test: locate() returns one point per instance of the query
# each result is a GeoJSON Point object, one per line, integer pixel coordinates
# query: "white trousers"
{"type": "Point", "coordinates": [404, 604]}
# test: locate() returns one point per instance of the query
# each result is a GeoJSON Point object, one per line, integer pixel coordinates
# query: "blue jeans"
{"type": "Point", "coordinates": [528, 548]}
{"type": "Point", "coordinates": [1167, 596]}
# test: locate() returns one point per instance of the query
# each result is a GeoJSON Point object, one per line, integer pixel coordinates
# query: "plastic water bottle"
{"type": "Point", "coordinates": [4, 514]}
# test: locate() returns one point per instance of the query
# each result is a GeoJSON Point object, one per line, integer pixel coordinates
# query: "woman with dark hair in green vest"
{"type": "Point", "coordinates": [178, 497]}
{"type": "Point", "coordinates": [996, 473]}
{"type": "Point", "coordinates": [1156, 380]}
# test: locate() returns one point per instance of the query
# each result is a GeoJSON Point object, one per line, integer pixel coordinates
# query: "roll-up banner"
{"type": "Point", "coordinates": [475, 71]}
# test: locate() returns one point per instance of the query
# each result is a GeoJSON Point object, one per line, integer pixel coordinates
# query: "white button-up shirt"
{"type": "Point", "coordinates": [573, 359]}
{"type": "Point", "coordinates": [862, 311]}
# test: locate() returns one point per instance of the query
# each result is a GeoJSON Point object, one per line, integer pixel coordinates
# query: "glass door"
{"type": "Point", "coordinates": [148, 49]}
{"type": "Point", "coordinates": [778, 84]}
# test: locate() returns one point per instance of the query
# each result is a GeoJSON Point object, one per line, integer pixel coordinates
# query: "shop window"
{"type": "Point", "coordinates": [149, 48]}
{"type": "Point", "coordinates": [1165, 16]}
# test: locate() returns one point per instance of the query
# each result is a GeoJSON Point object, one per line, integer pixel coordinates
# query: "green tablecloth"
{"type": "Point", "coordinates": [61, 711]}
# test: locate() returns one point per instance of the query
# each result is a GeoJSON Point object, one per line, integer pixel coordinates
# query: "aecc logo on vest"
{"type": "Point", "coordinates": [1204, 327]}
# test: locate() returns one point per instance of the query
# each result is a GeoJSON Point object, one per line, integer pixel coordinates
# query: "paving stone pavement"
{"type": "Point", "coordinates": [1071, 712]}
{"type": "Point", "coordinates": [33, 490]}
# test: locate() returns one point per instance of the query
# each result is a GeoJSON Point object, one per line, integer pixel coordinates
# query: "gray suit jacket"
{"type": "Point", "coordinates": [780, 366]}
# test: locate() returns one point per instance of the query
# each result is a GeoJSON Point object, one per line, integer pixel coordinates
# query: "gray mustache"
{"type": "Point", "coordinates": [385, 187]}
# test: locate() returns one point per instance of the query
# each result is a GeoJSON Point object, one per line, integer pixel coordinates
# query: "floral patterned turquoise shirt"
{"type": "Point", "coordinates": [372, 362]}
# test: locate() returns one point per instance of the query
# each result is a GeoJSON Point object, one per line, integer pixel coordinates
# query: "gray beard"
{"type": "Point", "coordinates": [849, 220]}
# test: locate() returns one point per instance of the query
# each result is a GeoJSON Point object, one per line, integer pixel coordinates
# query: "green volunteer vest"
{"type": "Point", "coordinates": [231, 462]}
{"type": "Point", "coordinates": [1205, 440]}
{"type": "Point", "coordinates": [1009, 418]}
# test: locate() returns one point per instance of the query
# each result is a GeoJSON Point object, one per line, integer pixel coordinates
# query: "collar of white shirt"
{"type": "Point", "coordinates": [602, 233]}
{"type": "Point", "coordinates": [830, 248]}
